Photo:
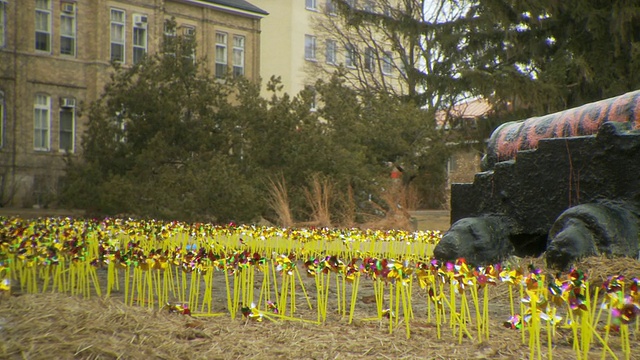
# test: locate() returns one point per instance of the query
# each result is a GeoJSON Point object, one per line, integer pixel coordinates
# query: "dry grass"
{"type": "Point", "coordinates": [279, 201]}
{"type": "Point", "coordinates": [399, 201]}
{"type": "Point", "coordinates": [348, 210]}
{"type": "Point", "coordinates": [51, 325]}
{"type": "Point", "coordinates": [319, 197]}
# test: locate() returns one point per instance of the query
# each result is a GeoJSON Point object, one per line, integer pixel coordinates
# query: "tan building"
{"type": "Point", "coordinates": [464, 163]}
{"type": "Point", "coordinates": [55, 59]}
{"type": "Point", "coordinates": [303, 41]}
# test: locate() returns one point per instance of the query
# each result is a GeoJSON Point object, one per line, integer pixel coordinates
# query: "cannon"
{"type": "Point", "coordinates": [564, 185]}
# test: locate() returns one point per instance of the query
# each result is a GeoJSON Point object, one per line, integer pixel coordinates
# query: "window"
{"type": "Point", "coordinates": [330, 7]}
{"type": "Point", "coordinates": [67, 124]}
{"type": "Point", "coordinates": [387, 63]}
{"type": "Point", "coordinates": [331, 52]}
{"type": "Point", "coordinates": [313, 105]}
{"type": "Point", "coordinates": [120, 125]}
{"type": "Point", "coordinates": [42, 106]}
{"type": "Point", "coordinates": [117, 35]}
{"type": "Point", "coordinates": [43, 25]}
{"type": "Point", "coordinates": [310, 47]}
{"type": "Point", "coordinates": [169, 36]}
{"type": "Point", "coordinates": [189, 33]}
{"type": "Point", "coordinates": [68, 29]}
{"type": "Point", "coordinates": [1, 119]}
{"type": "Point", "coordinates": [310, 4]}
{"type": "Point", "coordinates": [350, 56]}
{"type": "Point", "coordinates": [402, 66]}
{"type": "Point", "coordinates": [169, 30]}
{"type": "Point", "coordinates": [221, 54]}
{"type": "Point", "coordinates": [368, 6]}
{"type": "Point", "coordinates": [369, 59]}
{"type": "Point", "coordinates": [139, 37]}
{"type": "Point", "coordinates": [40, 190]}
{"type": "Point", "coordinates": [238, 55]}
{"type": "Point", "coordinates": [3, 23]}
{"type": "Point", "coordinates": [386, 10]}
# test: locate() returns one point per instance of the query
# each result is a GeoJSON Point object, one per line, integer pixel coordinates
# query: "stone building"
{"type": "Point", "coordinates": [56, 57]}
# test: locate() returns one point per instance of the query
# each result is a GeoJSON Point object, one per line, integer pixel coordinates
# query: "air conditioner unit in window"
{"type": "Point", "coordinates": [67, 103]}
{"type": "Point", "coordinates": [189, 31]}
{"type": "Point", "coordinates": [67, 7]}
{"type": "Point", "coordinates": [140, 19]}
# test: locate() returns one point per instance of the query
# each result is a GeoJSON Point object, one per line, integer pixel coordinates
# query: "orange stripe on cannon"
{"type": "Point", "coordinates": [512, 137]}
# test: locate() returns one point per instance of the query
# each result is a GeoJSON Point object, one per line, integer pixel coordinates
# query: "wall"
{"type": "Point", "coordinates": [25, 72]}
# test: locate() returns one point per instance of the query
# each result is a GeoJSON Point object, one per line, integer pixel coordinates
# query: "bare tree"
{"type": "Point", "coordinates": [390, 47]}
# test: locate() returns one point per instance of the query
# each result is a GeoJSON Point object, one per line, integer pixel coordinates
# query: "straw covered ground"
{"type": "Point", "coordinates": [53, 325]}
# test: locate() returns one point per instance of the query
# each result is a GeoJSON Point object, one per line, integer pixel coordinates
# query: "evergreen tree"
{"type": "Point", "coordinates": [526, 57]}
{"type": "Point", "coordinates": [159, 144]}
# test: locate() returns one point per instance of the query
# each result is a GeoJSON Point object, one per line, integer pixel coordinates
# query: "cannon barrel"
{"type": "Point", "coordinates": [511, 137]}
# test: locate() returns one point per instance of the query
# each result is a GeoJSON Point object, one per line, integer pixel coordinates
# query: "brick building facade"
{"type": "Point", "coordinates": [55, 59]}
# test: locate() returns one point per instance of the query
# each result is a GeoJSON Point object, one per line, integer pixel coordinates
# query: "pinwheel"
{"type": "Point", "coordinates": [182, 309]}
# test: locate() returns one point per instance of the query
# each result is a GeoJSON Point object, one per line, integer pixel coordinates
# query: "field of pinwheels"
{"type": "Point", "coordinates": [118, 288]}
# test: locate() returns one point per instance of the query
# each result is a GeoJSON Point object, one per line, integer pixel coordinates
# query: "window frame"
{"type": "Point", "coordinates": [369, 6]}
{"type": "Point", "coordinates": [313, 107]}
{"type": "Point", "coordinates": [45, 129]}
{"type": "Point", "coordinates": [311, 5]}
{"type": "Point", "coordinates": [189, 31]}
{"type": "Point", "coordinates": [237, 49]}
{"type": "Point", "coordinates": [2, 117]}
{"type": "Point", "coordinates": [123, 26]}
{"type": "Point", "coordinates": [370, 59]}
{"type": "Point", "coordinates": [310, 44]}
{"type": "Point", "coordinates": [74, 29]}
{"type": "Point", "coordinates": [222, 62]}
{"type": "Point", "coordinates": [71, 149]}
{"type": "Point", "coordinates": [387, 63]}
{"type": "Point", "coordinates": [3, 23]}
{"type": "Point", "coordinates": [49, 31]}
{"type": "Point", "coordinates": [331, 52]}
{"type": "Point", "coordinates": [330, 8]}
{"type": "Point", "coordinates": [145, 47]}
{"type": "Point", "coordinates": [350, 56]}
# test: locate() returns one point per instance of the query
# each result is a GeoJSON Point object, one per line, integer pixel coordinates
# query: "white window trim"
{"type": "Point", "coordinates": [350, 54]}
{"type": "Point", "coordinates": [334, 52]}
{"type": "Point", "coordinates": [73, 131]}
{"type": "Point", "coordinates": [311, 5]}
{"type": "Point", "coordinates": [225, 60]}
{"type": "Point", "coordinates": [310, 45]}
{"type": "Point", "coordinates": [314, 98]}
{"type": "Point", "coordinates": [47, 107]}
{"type": "Point", "coordinates": [387, 61]}
{"type": "Point", "coordinates": [369, 59]}
{"type": "Point", "coordinates": [242, 51]}
{"type": "Point", "coordinates": [49, 31]}
{"type": "Point", "coordinates": [73, 16]}
{"type": "Point", "coordinates": [133, 43]}
{"type": "Point", "coordinates": [189, 31]}
{"type": "Point", "coordinates": [330, 8]}
{"type": "Point", "coordinates": [124, 35]}
{"type": "Point", "coordinates": [2, 117]}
